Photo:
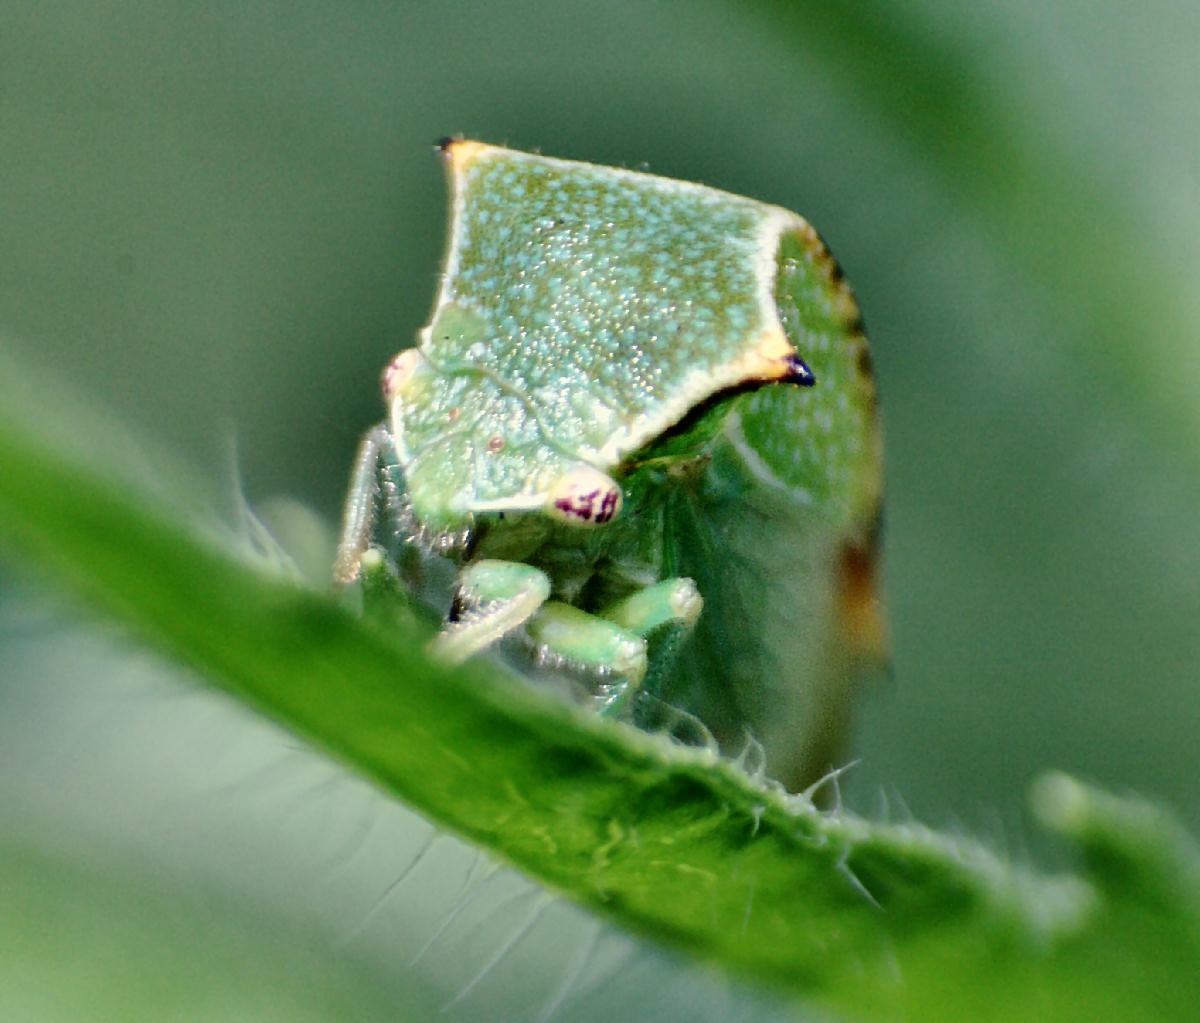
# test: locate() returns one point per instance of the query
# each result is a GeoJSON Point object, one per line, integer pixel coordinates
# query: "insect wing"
{"type": "Point", "coordinates": [782, 538]}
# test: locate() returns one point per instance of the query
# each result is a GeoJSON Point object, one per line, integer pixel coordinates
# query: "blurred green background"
{"type": "Point", "coordinates": [221, 220]}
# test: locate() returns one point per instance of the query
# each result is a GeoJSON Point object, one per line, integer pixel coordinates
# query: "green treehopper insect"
{"type": "Point", "coordinates": [637, 441]}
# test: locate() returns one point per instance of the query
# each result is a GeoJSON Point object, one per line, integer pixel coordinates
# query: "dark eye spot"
{"type": "Point", "coordinates": [495, 443]}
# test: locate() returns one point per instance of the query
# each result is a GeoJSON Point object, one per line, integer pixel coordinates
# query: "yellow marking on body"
{"type": "Point", "coordinates": [769, 359]}
{"type": "Point", "coordinates": [462, 152]}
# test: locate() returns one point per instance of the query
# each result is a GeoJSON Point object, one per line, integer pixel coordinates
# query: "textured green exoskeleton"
{"type": "Point", "coordinates": [641, 427]}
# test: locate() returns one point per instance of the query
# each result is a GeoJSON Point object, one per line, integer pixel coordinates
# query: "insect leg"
{"type": "Point", "coordinates": [358, 516]}
{"type": "Point", "coordinates": [670, 601]}
{"type": "Point", "coordinates": [496, 597]}
{"type": "Point", "coordinates": [663, 614]}
{"type": "Point", "coordinates": [614, 656]}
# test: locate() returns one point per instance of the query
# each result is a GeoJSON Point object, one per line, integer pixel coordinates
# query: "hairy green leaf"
{"type": "Point", "coordinates": [870, 918]}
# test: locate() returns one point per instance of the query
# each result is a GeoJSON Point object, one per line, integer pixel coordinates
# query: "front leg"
{"type": "Point", "coordinates": [627, 647]}
{"type": "Point", "coordinates": [497, 597]}
{"type": "Point", "coordinates": [494, 597]}
{"type": "Point", "coordinates": [612, 656]}
{"type": "Point", "coordinates": [662, 614]}
{"type": "Point", "coordinates": [358, 518]}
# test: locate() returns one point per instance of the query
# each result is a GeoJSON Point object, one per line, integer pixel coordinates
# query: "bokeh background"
{"type": "Point", "coordinates": [221, 220]}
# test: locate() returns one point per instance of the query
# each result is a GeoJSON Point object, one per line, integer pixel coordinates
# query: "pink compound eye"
{"type": "Point", "coordinates": [585, 497]}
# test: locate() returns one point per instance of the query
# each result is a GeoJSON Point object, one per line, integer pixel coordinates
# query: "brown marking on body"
{"type": "Point", "coordinates": [864, 362]}
{"type": "Point", "coordinates": [861, 607]}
